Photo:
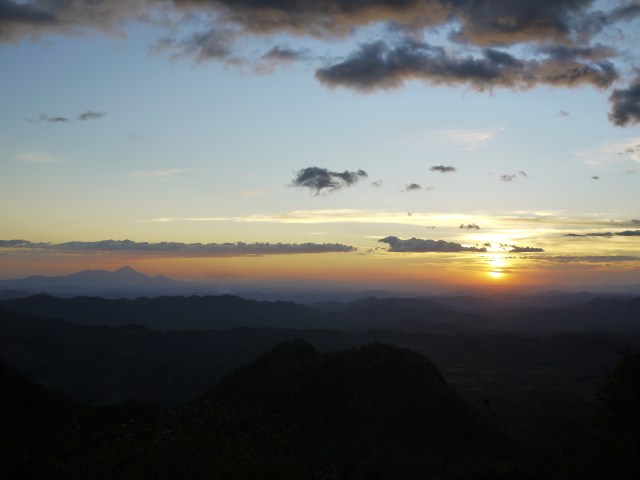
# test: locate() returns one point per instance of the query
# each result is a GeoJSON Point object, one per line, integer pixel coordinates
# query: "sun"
{"type": "Point", "coordinates": [497, 264]}
{"type": "Point", "coordinates": [496, 275]}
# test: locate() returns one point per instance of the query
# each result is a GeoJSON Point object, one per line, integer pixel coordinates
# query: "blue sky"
{"type": "Point", "coordinates": [199, 116]}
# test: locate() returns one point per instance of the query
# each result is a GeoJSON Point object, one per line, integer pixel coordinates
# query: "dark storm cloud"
{"type": "Point", "coordinates": [419, 245]}
{"type": "Point", "coordinates": [41, 17]}
{"type": "Point", "coordinates": [379, 65]}
{"type": "Point", "coordinates": [566, 53]}
{"type": "Point", "coordinates": [412, 187]}
{"type": "Point", "coordinates": [470, 226]}
{"type": "Point", "coordinates": [175, 248]}
{"type": "Point", "coordinates": [12, 12]}
{"type": "Point", "coordinates": [324, 18]}
{"type": "Point", "coordinates": [443, 168]}
{"type": "Point", "coordinates": [625, 105]}
{"type": "Point", "coordinates": [502, 22]}
{"type": "Point", "coordinates": [318, 179]}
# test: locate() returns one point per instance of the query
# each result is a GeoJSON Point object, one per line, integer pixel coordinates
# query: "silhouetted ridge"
{"type": "Point", "coordinates": [170, 312]}
{"type": "Point", "coordinates": [363, 407]}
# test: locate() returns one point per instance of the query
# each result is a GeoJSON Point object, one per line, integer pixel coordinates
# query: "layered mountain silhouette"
{"type": "Point", "coordinates": [403, 314]}
{"type": "Point", "coordinates": [124, 280]}
{"type": "Point", "coordinates": [370, 413]}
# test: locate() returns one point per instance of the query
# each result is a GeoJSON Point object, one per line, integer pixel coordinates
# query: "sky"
{"type": "Point", "coordinates": [414, 144]}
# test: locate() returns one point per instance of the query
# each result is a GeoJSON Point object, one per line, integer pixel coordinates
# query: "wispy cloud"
{"type": "Point", "coordinates": [163, 173]}
{"type": "Point", "coordinates": [610, 152]}
{"type": "Point", "coordinates": [33, 156]}
{"type": "Point", "coordinates": [459, 138]}
{"type": "Point", "coordinates": [585, 258]}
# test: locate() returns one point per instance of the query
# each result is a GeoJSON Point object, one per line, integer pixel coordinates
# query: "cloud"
{"type": "Point", "coordinates": [419, 245]}
{"type": "Point", "coordinates": [523, 174]}
{"type": "Point", "coordinates": [624, 233]}
{"type": "Point", "coordinates": [630, 150]}
{"type": "Point", "coordinates": [36, 157]}
{"type": "Point", "coordinates": [21, 244]}
{"type": "Point", "coordinates": [377, 183]}
{"type": "Point", "coordinates": [175, 249]}
{"type": "Point", "coordinates": [412, 187]}
{"type": "Point", "coordinates": [90, 115]}
{"type": "Point", "coordinates": [517, 249]}
{"type": "Point", "coordinates": [469, 226]}
{"type": "Point", "coordinates": [592, 234]}
{"type": "Point", "coordinates": [70, 17]}
{"type": "Point", "coordinates": [318, 179]}
{"type": "Point", "coordinates": [465, 138]}
{"type": "Point", "coordinates": [611, 151]}
{"type": "Point", "coordinates": [378, 65]}
{"type": "Point", "coordinates": [277, 56]}
{"type": "Point", "coordinates": [508, 22]}
{"type": "Point", "coordinates": [507, 178]}
{"type": "Point", "coordinates": [629, 233]}
{"type": "Point", "coordinates": [586, 258]}
{"type": "Point", "coordinates": [595, 177]}
{"type": "Point", "coordinates": [443, 168]}
{"type": "Point", "coordinates": [625, 105]}
{"type": "Point", "coordinates": [84, 116]}
{"type": "Point", "coordinates": [562, 113]}
{"type": "Point", "coordinates": [558, 38]}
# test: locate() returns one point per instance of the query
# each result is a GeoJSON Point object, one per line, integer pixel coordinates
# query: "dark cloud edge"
{"type": "Point", "coordinates": [177, 249]}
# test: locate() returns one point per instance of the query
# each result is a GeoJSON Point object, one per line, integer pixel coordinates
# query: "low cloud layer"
{"type": "Point", "coordinates": [319, 179]}
{"type": "Point", "coordinates": [174, 249]}
{"type": "Point", "coordinates": [624, 233]}
{"type": "Point", "coordinates": [419, 245]}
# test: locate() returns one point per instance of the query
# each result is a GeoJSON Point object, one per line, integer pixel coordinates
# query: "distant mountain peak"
{"type": "Point", "coordinates": [129, 270]}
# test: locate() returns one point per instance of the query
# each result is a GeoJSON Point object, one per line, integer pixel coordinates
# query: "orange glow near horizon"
{"type": "Point", "coordinates": [378, 269]}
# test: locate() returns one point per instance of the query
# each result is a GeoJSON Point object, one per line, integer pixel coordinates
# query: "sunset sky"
{"type": "Point", "coordinates": [419, 143]}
